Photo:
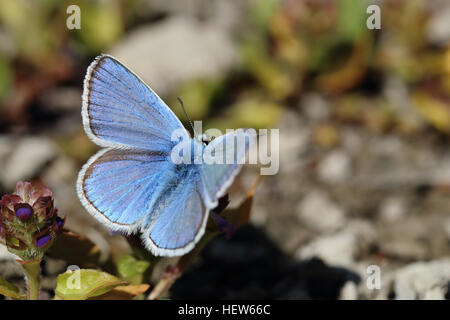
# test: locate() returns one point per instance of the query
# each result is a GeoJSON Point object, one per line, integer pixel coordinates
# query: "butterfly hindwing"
{"type": "Point", "coordinates": [116, 186]}
{"type": "Point", "coordinates": [178, 217]}
{"type": "Point", "coordinates": [231, 149]}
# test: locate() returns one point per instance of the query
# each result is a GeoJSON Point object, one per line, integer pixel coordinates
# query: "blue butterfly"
{"type": "Point", "coordinates": [132, 185]}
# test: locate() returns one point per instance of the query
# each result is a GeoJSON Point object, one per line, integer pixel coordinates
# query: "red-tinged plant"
{"type": "Point", "coordinates": [29, 224]}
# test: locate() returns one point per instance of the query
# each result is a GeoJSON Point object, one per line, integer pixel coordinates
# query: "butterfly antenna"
{"type": "Point", "coordinates": [187, 116]}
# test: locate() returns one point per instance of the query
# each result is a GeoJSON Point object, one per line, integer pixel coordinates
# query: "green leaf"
{"type": "Point", "coordinates": [124, 292]}
{"type": "Point", "coordinates": [249, 112]}
{"type": "Point", "coordinates": [9, 290]}
{"type": "Point", "coordinates": [85, 283]}
{"type": "Point", "coordinates": [268, 72]}
{"type": "Point", "coordinates": [434, 110]}
{"type": "Point", "coordinates": [129, 267]}
{"type": "Point", "coordinates": [262, 11]}
{"type": "Point", "coordinates": [101, 25]}
{"type": "Point", "coordinates": [5, 78]}
{"type": "Point", "coordinates": [255, 112]}
{"type": "Point", "coordinates": [352, 19]}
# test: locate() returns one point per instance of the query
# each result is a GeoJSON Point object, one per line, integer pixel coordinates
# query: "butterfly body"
{"type": "Point", "coordinates": [151, 176]}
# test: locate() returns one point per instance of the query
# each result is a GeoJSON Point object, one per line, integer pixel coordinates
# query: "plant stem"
{"type": "Point", "coordinates": [173, 273]}
{"type": "Point", "coordinates": [167, 280]}
{"type": "Point", "coordinates": [32, 269]}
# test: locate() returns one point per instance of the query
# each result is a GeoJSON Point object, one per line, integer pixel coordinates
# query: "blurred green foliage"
{"type": "Point", "coordinates": [197, 95]}
{"type": "Point", "coordinates": [101, 25]}
{"type": "Point", "coordinates": [351, 22]}
{"type": "Point", "coordinates": [5, 77]}
{"type": "Point", "coordinates": [288, 48]}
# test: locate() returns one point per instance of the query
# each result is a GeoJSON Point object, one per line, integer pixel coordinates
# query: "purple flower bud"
{"type": "Point", "coordinates": [42, 241]}
{"type": "Point", "coordinates": [59, 223]}
{"type": "Point", "coordinates": [24, 212]}
{"type": "Point", "coordinates": [29, 221]}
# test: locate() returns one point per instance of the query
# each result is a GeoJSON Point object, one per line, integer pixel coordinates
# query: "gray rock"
{"type": "Point", "coordinates": [318, 212]}
{"type": "Point", "coordinates": [293, 141]}
{"type": "Point", "coordinates": [230, 15]}
{"type": "Point", "coordinates": [399, 97]}
{"type": "Point", "coordinates": [392, 209]}
{"type": "Point", "coordinates": [404, 239]}
{"type": "Point", "coordinates": [438, 28]}
{"type": "Point", "coordinates": [367, 288]}
{"type": "Point", "coordinates": [390, 163]}
{"type": "Point", "coordinates": [352, 140]}
{"type": "Point", "coordinates": [422, 280]}
{"type": "Point", "coordinates": [349, 291]}
{"type": "Point", "coordinates": [365, 234]}
{"type": "Point", "coordinates": [60, 177]}
{"type": "Point", "coordinates": [54, 266]}
{"type": "Point", "coordinates": [28, 155]}
{"type": "Point", "coordinates": [5, 255]}
{"type": "Point", "coordinates": [335, 167]}
{"type": "Point", "coordinates": [404, 248]}
{"type": "Point", "coordinates": [47, 283]}
{"type": "Point", "coordinates": [337, 249]}
{"type": "Point", "coordinates": [316, 107]}
{"type": "Point", "coordinates": [440, 174]}
{"type": "Point", "coordinates": [173, 51]}
{"type": "Point", "coordinates": [8, 265]}
{"type": "Point", "coordinates": [341, 248]}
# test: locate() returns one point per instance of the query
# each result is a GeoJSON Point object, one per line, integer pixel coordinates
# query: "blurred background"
{"type": "Point", "coordinates": [364, 121]}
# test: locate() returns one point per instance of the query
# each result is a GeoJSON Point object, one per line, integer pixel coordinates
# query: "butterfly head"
{"type": "Point", "coordinates": [189, 151]}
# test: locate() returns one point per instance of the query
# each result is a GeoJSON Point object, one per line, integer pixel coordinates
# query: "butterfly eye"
{"type": "Point", "coordinates": [205, 138]}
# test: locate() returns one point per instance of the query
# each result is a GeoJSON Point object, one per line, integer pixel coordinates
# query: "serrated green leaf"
{"type": "Point", "coordinates": [9, 290]}
{"type": "Point", "coordinates": [85, 283]}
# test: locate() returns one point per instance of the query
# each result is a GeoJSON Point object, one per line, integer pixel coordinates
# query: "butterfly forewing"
{"type": "Point", "coordinates": [121, 111]}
